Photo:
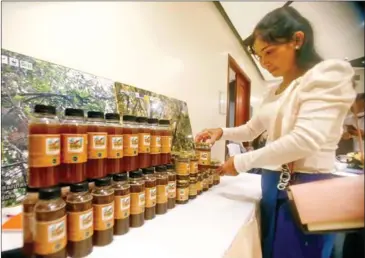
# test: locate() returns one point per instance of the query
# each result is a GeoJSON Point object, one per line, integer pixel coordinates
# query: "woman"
{"type": "Point", "coordinates": [303, 117]}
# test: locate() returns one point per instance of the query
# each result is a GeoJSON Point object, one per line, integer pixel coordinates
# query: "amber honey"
{"type": "Point", "coordinates": [115, 144]}
{"type": "Point", "coordinates": [130, 140]}
{"type": "Point", "coordinates": [166, 141]}
{"type": "Point", "coordinates": [155, 142]}
{"type": "Point", "coordinates": [44, 146]}
{"type": "Point", "coordinates": [144, 143]}
{"type": "Point", "coordinates": [73, 147]}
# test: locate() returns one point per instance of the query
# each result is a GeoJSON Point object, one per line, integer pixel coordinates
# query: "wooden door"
{"type": "Point", "coordinates": [242, 108]}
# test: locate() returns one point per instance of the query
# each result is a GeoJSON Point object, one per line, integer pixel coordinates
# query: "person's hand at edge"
{"type": "Point", "coordinates": [209, 135]}
{"type": "Point", "coordinates": [228, 169]}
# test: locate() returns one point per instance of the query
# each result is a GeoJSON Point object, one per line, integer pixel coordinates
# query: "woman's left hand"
{"type": "Point", "coordinates": [228, 168]}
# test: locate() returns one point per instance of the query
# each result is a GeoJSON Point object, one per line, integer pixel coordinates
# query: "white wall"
{"type": "Point", "coordinates": [176, 49]}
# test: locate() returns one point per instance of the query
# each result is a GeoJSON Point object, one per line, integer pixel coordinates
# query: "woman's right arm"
{"type": "Point", "coordinates": [244, 133]}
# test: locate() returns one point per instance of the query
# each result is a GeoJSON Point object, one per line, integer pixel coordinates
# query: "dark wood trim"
{"type": "Point", "coordinates": [235, 67]}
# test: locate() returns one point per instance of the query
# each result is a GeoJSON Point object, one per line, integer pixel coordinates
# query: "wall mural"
{"type": "Point", "coordinates": [27, 81]}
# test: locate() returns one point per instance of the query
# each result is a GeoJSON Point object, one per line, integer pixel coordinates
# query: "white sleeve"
{"type": "Point", "coordinates": [325, 96]}
{"type": "Point", "coordinates": [244, 133]}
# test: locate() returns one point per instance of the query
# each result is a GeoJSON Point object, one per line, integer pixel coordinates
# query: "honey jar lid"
{"type": "Point", "coordinates": [129, 118]}
{"type": "Point", "coordinates": [141, 119]}
{"type": "Point", "coordinates": [170, 166]}
{"type": "Point", "coordinates": [184, 155]}
{"type": "Point", "coordinates": [50, 193]}
{"type": "Point", "coordinates": [105, 181]}
{"type": "Point", "coordinates": [160, 168]}
{"type": "Point", "coordinates": [74, 112]}
{"type": "Point", "coordinates": [79, 187]}
{"type": "Point", "coordinates": [135, 174]}
{"type": "Point", "coordinates": [44, 109]}
{"type": "Point", "coordinates": [95, 114]}
{"type": "Point", "coordinates": [112, 116]}
{"type": "Point", "coordinates": [32, 190]}
{"type": "Point", "coordinates": [120, 177]}
{"type": "Point", "coordinates": [152, 120]}
{"type": "Point", "coordinates": [215, 162]}
{"type": "Point", "coordinates": [149, 170]}
{"type": "Point", "coordinates": [164, 122]}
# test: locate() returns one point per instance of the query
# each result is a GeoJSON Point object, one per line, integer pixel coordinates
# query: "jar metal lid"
{"type": "Point", "coordinates": [50, 193]}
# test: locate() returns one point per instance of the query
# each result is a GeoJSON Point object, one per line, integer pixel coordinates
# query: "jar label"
{"type": "Point", "coordinates": [137, 203]}
{"type": "Point", "coordinates": [172, 189]}
{"type": "Point", "coordinates": [162, 193]}
{"type": "Point", "coordinates": [97, 145]}
{"type": "Point", "coordinates": [216, 177]}
{"type": "Point", "coordinates": [130, 145]}
{"type": "Point", "coordinates": [204, 157]}
{"type": "Point", "coordinates": [182, 194]}
{"type": "Point", "coordinates": [50, 236]}
{"type": "Point", "coordinates": [144, 144]}
{"type": "Point", "coordinates": [193, 167]}
{"type": "Point", "coordinates": [103, 216]}
{"type": "Point", "coordinates": [155, 144]}
{"type": "Point", "coordinates": [193, 190]}
{"type": "Point", "coordinates": [166, 143]}
{"type": "Point", "coordinates": [122, 204]}
{"type": "Point", "coordinates": [205, 183]}
{"type": "Point", "coordinates": [182, 168]}
{"type": "Point", "coordinates": [80, 225]}
{"type": "Point", "coordinates": [199, 185]}
{"type": "Point", "coordinates": [28, 226]}
{"type": "Point", "coordinates": [151, 197]}
{"type": "Point", "coordinates": [115, 146]}
{"type": "Point", "coordinates": [44, 150]}
{"type": "Point", "coordinates": [74, 148]}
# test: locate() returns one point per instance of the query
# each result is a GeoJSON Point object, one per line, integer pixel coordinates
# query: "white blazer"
{"type": "Point", "coordinates": [304, 123]}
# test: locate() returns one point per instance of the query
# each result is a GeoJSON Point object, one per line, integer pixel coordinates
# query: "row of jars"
{"type": "Point", "coordinates": [59, 224]}
{"type": "Point", "coordinates": [75, 150]}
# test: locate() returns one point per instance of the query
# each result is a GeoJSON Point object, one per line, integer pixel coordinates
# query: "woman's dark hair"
{"type": "Point", "coordinates": [279, 26]}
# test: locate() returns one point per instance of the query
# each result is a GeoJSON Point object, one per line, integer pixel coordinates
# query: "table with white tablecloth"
{"type": "Point", "coordinates": [223, 222]}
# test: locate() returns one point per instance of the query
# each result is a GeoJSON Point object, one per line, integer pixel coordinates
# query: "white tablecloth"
{"type": "Point", "coordinates": [220, 223]}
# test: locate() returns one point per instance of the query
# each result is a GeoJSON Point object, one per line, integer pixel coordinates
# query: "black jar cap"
{"type": "Point", "coordinates": [95, 114]}
{"type": "Point", "coordinates": [135, 174]}
{"type": "Point", "coordinates": [74, 112]}
{"type": "Point", "coordinates": [170, 166]}
{"type": "Point", "coordinates": [164, 122]}
{"type": "Point", "coordinates": [120, 177]}
{"type": "Point", "coordinates": [141, 119]}
{"type": "Point", "coordinates": [104, 181]}
{"type": "Point", "coordinates": [129, 118]}
{"type": "Point", "coordinates": [80, 187]}
{"type": "Point", "coordinates": [112, 116]}
{"type": "Point", "coordinates": [149, 170]}
{"type": "Point", "coordinates": [152, 120]}
{"type": "Point", "coordinates": [32, 189]}
{"type": "Point", "coordinates": [50, 193]}
{"type": "Point", "coordinates": [44, 109]}
{"type": "Point", "coordinates": [161, 168]}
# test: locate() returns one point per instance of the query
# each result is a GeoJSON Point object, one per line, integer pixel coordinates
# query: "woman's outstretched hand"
{"type": "Point", "coordinates": [228, 169]}
{"type": "Point", "coordinates": [209, 135]}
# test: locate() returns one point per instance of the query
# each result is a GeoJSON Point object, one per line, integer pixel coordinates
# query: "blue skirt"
{"type": "Point", "coordinates": [281, 236]}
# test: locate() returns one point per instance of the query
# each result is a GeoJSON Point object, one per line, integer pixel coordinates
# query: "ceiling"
{"type": "Point", "coordinates": [338, 26]}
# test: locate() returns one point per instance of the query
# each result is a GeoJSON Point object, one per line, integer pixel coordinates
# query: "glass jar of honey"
{"type": "Point", "coordinates": [182, 165]}
{"type": "Point", "coordinates": [203, 151]}
{"type": "Point", "coordinates": [50, 236]}
{"type": "Point", "coordinates": [215, 164]}
{"type": "Point", "coordinates": [193, 164]}
{"type": "Point", "coordinates": [44, 146]}
{"type": "Point", "coordinates": [138, 199]}
{"type": "Point", "coordinates": [97, 145]}
{"type": "Point", "coordinates": [80, 226]}
{"type": "Point", "coordinates": [103, 210]}
{"type": "Point", "coordinates": [162, 190]}
{"type": "Point", "coordinates": [114, 162]}
{"type": "Point", "coordinates": [150, 193]}
{"type": "Point", "coordinates": [121, 203]}
{"type": "Point", "coordinates": [144, 143]}
{"type": "Point", "coordinates": [171, 188]}
{"type": "Point", "coordinates": [155, 150]}
{"type": "Point", "coordinates": [166, 141]}
{"type": "Point", "coordinates": [210, 178]}
{"type": "Point", "coordinates": [182, 189]}
{"type": "Point", "coordinates": [73, 147]}
{"type": "Point", "coordinates": [29, 202]}
{"type": "Point", "coordinates": [199, 183]}
{"type": "Point", "coordinates": [130, 147]}
{"type": "Point", "coordinates": [205, 181]}
{"type": "Point", "coordinates": [193, 191]}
